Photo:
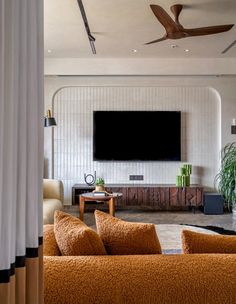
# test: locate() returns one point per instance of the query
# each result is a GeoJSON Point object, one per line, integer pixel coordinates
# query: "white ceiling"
{"type": "Point", "coordinates": [123, 25]}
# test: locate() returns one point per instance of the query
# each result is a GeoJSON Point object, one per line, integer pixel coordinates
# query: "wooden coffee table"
{"type": "Point", "coordinates": [89, 196]}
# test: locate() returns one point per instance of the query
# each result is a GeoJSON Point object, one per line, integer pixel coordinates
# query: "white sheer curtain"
{"type": "Point", "coordinates": [21, 150]}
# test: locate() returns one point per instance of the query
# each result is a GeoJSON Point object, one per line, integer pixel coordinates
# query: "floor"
{"type": "Point", "coordinates": [226, 221]}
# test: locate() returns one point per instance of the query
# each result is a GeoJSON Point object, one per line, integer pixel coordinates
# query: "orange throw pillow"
{"type": "Point", "coordinates": [49, 242]}
{"type": "Point", "coordinates": [195, 242]}
{"type": "Point", "coordinates": [74, 237]}
{"type": "Point", "coordinates": [121, 238]}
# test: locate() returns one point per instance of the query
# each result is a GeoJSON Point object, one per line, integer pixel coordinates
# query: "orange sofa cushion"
{"type": "Point", "coordinates": [195, 242]}
{"type": "Point", "coordinates": [74, 237]}
{"type": "Point", "coordinates": [141, 279]}
{"type": "Point", "coordinates": [124, 238]}
{"type": "Point", "coordinates": [50, 246]}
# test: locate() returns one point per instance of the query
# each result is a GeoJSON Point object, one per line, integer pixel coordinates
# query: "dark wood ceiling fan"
{"type": "Point", "coordinates": [174, 30]}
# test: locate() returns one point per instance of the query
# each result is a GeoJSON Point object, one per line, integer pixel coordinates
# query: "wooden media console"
{"type": "Point", "coordinates": [149, 196]}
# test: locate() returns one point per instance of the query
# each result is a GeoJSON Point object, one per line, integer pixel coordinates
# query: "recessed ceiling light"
{"type": "Point", "coordinates": [49, 51]}
{"type": "Point", "coordinates": [134, 50]}
{"type": "Point", "coordinates": [187, 50]}
{"type": "Point", "coordinates": [174, 46]}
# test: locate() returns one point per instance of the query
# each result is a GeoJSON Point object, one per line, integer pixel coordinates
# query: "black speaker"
{"type": "Point", "coordinates": [213, 203]}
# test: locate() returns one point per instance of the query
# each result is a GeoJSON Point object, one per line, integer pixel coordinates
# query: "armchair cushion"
{"type": "Point", "coordinates": [53, 188]}
{"type": "Point", "coordinates": [49, 207]}
{"type": "Point", "coordinates": [53, 197]}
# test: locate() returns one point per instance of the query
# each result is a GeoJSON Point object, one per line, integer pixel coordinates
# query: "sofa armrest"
{"type": "Point", "coordinates": [140, 279]}
{"type": "Point", "coordinates": [53, 188]}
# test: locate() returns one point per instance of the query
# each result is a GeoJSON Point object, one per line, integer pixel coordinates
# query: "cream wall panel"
{"type": "Point", "coordinates": [73, 108]}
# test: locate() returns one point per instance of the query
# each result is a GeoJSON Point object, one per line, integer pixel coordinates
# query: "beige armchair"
{"type": "Point", "coordinates": [53, 197]}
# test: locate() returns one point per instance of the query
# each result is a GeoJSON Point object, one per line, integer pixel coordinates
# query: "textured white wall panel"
{"type": "Point", "coordinates": [73, 109]}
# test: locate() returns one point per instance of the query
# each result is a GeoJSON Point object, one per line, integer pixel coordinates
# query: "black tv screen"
{"type": "Point", "coordinates": [137, 135]}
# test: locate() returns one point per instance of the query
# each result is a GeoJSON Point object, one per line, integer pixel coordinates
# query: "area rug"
{"type": "Point", "coordinates": [219, 230]}
{"type": "Point", "coordinates": [170, 236]}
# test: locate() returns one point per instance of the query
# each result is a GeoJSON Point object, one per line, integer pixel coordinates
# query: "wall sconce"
{"type": "Point", "coordinates": [233, 126]}
{"type": "Point", "coordinates": [49, 121]}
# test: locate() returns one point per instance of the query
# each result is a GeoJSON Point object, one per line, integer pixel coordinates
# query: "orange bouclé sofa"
{"type": "Point", "coordinates": [138, 279]}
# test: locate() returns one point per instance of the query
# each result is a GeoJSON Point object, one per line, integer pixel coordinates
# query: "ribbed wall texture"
{"type": "Point", "coordinates": [73, 109]}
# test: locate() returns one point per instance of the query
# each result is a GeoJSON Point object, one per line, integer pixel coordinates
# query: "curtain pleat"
{"type": "Point", "coordinates": [5, 292]}
{"type": "Point", "coordinates": [20, 285]}
{"type": "Point", "coordinates": [40, 287]}
{"type": "Point", "coordinates": [12, 289]}
{"type": "Point", "coordinates": [32, 280]}
{"type": "Point", "coordinates": [21, 151]}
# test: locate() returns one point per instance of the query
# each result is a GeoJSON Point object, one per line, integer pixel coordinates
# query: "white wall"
{"type": "Point", "coordinates": [209, 104]}
{"type": "Point", "coordinates": [140, 66]}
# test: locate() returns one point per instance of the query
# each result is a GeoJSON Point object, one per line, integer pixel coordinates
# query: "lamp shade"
{"type": "Point", "coordinates": [49, 121]}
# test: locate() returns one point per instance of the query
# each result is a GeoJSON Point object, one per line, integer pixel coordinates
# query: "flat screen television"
{"type": "Point", "coordinates": [137, 135]}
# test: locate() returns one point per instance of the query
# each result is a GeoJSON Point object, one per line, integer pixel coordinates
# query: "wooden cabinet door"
{"type": "Point", "coordinates": [155, 198]}
{"type": "Point", "coordinates": [191, 196]}
{"type": "Point", "coordinates": [144, 197]}
{"type": "Point", "coordinates": [199, 200]}
{"type": "Point", "coordinates": [177, 197]}
{"type": "Point", "coordinates": [161, 198]}
{"type": "Point", "coordinates": [132, 196]}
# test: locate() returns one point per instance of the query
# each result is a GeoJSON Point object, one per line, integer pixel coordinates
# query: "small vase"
{"type": "Point", "coordinates": [178, 181]}
{"type": "Point", "coordinates": [182, 171]}
{"type": "Point", "coordinates": [99, 188]}
{"type": "Point", "coordinates": [187, 180]}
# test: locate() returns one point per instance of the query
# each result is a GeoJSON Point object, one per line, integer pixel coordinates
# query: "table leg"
{"type": "Point", "coordinates": [111, 204]}
{"type": "Point", "coordinates": [81, 208]}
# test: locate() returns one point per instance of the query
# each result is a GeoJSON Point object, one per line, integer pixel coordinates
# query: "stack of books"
{"type": "Point", "coordinates": [100, 193]}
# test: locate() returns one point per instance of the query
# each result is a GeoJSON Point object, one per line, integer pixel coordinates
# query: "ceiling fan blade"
{"type": "Point", "coordinates": [176, 10]}
{"type": "Point", "coordinates": [208, 30]}
{"type": "Point", "coordinates": [157, 40]}
{"type": "Point", "coordinates": [164, 18]}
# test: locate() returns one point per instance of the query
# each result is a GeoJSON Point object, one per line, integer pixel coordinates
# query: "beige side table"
{"type": "Point", "coordinates": [89, 196]}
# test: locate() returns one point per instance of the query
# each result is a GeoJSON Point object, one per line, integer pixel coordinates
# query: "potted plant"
{"type": "Point", "coordinates": [100, 184]}
{"type": "Point", "coordinates": [226, 177]}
